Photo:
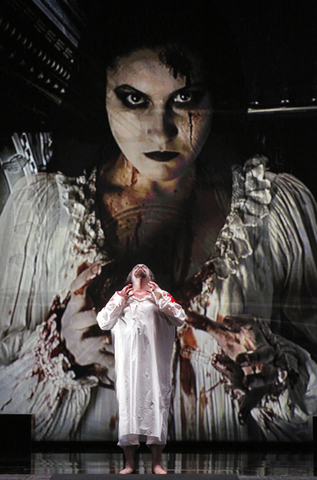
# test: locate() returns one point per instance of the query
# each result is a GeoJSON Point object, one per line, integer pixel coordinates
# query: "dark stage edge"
{"type": "Point", "coordinates": [168, 476]}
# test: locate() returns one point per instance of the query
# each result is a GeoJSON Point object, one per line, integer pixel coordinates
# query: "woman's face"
{"type": "Point", "coordinates": [159, 122]}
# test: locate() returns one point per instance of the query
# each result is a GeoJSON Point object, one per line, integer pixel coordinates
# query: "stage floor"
{"type": "Point", "coordinates": [253, 461]}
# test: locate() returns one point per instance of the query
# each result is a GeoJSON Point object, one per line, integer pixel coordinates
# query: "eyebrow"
{"type": "Point", "coordinates": [128, 88]}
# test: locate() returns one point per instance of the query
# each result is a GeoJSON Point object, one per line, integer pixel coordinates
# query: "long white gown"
{"type": "Point", "coordinates": [143, 334]}
{"type": "Point", "coordinates": [265, 260]}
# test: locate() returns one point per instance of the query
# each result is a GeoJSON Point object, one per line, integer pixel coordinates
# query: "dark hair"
{"type": "Point", "coordinates": [129, 277]}
{"type": "Point", "coordinates": [116, 28]}
{"type": "Point", "coordinates": [178, 28]}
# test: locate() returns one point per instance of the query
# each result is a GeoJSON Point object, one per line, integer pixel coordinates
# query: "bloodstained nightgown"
{"type": "Point", "coordinates": [143, 334]}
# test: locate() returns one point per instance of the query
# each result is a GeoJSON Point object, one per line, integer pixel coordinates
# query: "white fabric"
{"type": "Point", "coordinates": [129, 440]}
{"type": "Point", "coordinates": [143, 334]}
{"type": "Point", "coordinates": [266, 266]}
{"type": "Point", "coordinates": [40, 257]}
{"type": "Point", "coordinates": [273, 259]}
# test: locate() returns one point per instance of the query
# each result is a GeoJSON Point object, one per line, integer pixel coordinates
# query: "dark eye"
{"type": "Point", "coordinates": [135, 99]}
{"type": "Point", "coordinates": [131, 98]}
{"type": "Point", "coordinates": [183, 97]}
{"type": "Point", "coordinates": [190, 98]}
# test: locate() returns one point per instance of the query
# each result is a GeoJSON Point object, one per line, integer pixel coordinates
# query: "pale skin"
{"type": "Point", "coordinates": [162, 126]}
{"type": "Point", "coordinates": [152, 112]}
{"type": "Point", "coordinates": [149, 110]}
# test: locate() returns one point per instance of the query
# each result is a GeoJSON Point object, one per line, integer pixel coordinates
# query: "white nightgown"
{"type": "Point", "coordinates": [265, 261]}
{"type": "Point", "coordinates": [143, 334]}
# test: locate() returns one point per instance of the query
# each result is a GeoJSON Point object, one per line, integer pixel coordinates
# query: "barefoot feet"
{"type": "Point", "coordinates": [129, 453]}
{"type": "Point", "coordinates": [158, 470]}
{"type": "Point", "coordinates": [157, 459]}
{"type": "Point", "coordinates": [127, 470]}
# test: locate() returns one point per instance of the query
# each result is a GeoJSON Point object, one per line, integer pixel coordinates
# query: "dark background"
{"type": "Point", "coordinates": [278, 47]}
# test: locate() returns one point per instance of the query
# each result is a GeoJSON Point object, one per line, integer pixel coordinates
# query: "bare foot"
{"type": "Point", "coordinates": [159, 470]}
{"type": "Point", "coordinates": [129, 452]}
{"type": "Point", "coordinates": [127, 470]}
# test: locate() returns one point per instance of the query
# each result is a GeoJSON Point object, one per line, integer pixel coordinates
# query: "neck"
{"type": "Point", "coordinates": [140, 284]}
{"type": "Point", "coordinates": [123, 175]}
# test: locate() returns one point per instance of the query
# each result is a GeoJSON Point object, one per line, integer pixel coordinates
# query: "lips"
{"type": "Point", "coordinates": [159, 156]}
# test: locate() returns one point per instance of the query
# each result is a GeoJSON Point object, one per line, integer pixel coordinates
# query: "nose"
{"type": "Point", "coordinates": [161, 124]}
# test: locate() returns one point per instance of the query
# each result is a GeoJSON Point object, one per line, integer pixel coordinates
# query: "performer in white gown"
{"type": "Point", "coordinates": [142, 319]}
{"type": "Point", "coordinates": [237, 248]}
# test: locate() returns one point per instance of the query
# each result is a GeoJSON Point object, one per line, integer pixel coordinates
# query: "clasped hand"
{"type": "Point", "coordinates": [79, 321]}
{"type": "Point", "coordinates": [246, 359]}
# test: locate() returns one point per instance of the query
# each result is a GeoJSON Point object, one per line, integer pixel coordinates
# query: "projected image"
{"type": "Point", "coordinates": [234, 244]}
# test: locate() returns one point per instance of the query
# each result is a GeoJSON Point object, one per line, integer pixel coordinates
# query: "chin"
{"type": "Point", "coordinates": [140, 275]}
{"type": "Point", "coordinates": [164, 173]}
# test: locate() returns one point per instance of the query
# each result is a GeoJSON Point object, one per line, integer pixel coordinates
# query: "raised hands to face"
{"type": "Point", "coordinates": [78, 321]}
{"type": "Point", "coordinates": [155, 290]}
{"type": "Point", "coordinates": [151, 287]}
{"type": "Point", "coordinates": [127, 291]}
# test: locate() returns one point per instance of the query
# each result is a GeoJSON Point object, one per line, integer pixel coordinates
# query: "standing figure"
{"type": "Point", "coordinates": [142, 319]}
{"type": "Point", "coordinates": [234, 243]}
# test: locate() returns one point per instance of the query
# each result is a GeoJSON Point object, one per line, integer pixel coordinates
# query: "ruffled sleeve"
{"type": "Point", "coordinates": [265, 256]}
{"type": "Point", "coordinates": [293, 246]}
{"type": "Point", "coordinates": [31, 245]}
{"type": "Point", "coordinates": [46, 233]}
{"type": "Point", "coordinates": [251, 197]}
{"type": "Point", "coordinates": [264, 263]}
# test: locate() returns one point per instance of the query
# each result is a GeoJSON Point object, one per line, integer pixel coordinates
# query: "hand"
{"type": "Point", "coordinates": [80, 317]}
{"type": "Point", "coordinates": [247, 361]}
{"type": "Point", "coordinates": [127, 291]}
{"type": "Point", "coordinates": [155, 289]}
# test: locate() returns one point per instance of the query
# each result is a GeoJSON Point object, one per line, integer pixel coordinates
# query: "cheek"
{"type": "Point", "coordinates": [200, 125]}
{"type": "Point", "coordinates": [125, 126]}
{"type": "Point", "coordinates": [194, 128]}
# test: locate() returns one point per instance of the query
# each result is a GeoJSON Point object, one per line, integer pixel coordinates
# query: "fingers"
{"type": "Point", "coordinates": [126, 290]}
{"type": "Point", "coordinates": [78, 300]}
{"type": "Point", "coordinates": [85, 348]}
{"type": "Point", "coordinates": [74, 323]}
{"type": "Point", "coordinates": [230, 369]}
{"type": "Point", "coordinates": [202, 322]}
{"type": "Point", "coordinates": [79, 285]}
{"type": "Point", "coordinates": [152, 287]}
{"type": "Point", "coordinates": [235, 322]}
{"type": "Point", "coordinates": [199, 321]}
{"type": "Point", "coordinates": [83, 320]}
{"type": "Point", "coordinates": [105, 358]}
{"type": "Point", "coordinates": [93, 350]}
{"type": "Point", "coordinates": [266, 376]}
{"type": "Point", "coordinates": [226, 339]}
{"type": "Point", "coordinates": [262, 354]}
{"type": "Point", "coordinates": [238, 336]}
{"type": "Point", "coordinates": [252, 387]}
{"type": "Point", "coordinates": [249, 401]}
